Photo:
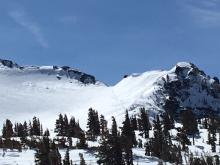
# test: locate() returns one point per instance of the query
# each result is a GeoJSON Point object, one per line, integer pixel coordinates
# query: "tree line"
{"type": "Point", "coordinates": [115, 143]}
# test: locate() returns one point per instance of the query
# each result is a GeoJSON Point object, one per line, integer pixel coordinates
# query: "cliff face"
{"type": "Point", "coordinates": [192, 89]}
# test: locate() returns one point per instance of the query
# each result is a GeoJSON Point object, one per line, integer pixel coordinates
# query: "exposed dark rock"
{"type": "Point", "coordinates": [192, 88]}
{"type": "Point", "coordinates": [59, 72]}
{"type": "Point", "coordinates": [9, 63]}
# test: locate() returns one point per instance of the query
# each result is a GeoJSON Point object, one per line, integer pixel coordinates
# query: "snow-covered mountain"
{"type": "Point", "coordinates": [59, 72]}
{"type": "Point", "coordinates": [46, 91]}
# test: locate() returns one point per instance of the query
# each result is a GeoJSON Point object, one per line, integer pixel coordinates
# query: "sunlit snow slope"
{"type": "Point", "coordinates": [47, 91]}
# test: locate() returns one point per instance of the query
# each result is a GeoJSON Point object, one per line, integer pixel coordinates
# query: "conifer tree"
{"type": "Point", "coordinates": [212, 143]}
{"type": "Point", "coordinates": [148, 148]}
{"type": "Point", "coordinates": [7, 131]}
{"type": "Point", "coordinates": [104, 150]}
{"type": "Point", "coordinates": [144, 123]}
{"type": "Point", "coordinates": [41, 130]}
{"type": "Point", "coordinates": [183, 139]}
{"type": "Point", "coordinates": [190, 125]}
{"type": "Point", "coordinates": [128, 156]}
{"type": "Point", "coordinates": [114, 129]}
{"type": "Point", "coordinates": [65, 126]}
{"type": "Point", "coordinates": [103, 126]}
{"type": "Point", "coordinates": [168, 123]}
{"type": "Point", "coordinates": [212, 125]}
{"type": "Point", "coordinates": [72, 126]}
{"type": "Point", "coordinates": [81, 144]}
{"type": "Point", "coordinates": [116, 146]}
{"type": "Point", "coordinates": [127, 133]}
{"type": "Point", "coordinates": [15, 132]}
{"type": "Point", "coordinates": [46, 133]}
{"type": "Point", "coordinates": [66, 160]}
{"type": "Point", "coordinates": [30, 130]}
{"type": "Point", "coordinates": [59, 126]}
{"type": "Point", "coordinates": [82, 160]}
{"type": "Point", "coordinates": [42, 152]}
{"type": "Point", "coordinates": [209, 160]}
{"type": "Point", "coordinates": [212, 133]}
{"type": "Point", "coordinates": [128, 139]}
{"type": "Point", "coordinates": [20, 130]}
{"type": "Point", "coordinates": [205, 123]}
{"type": "Point", "coordinates": [179, 156]}
{"type": "Point", "coordinates": [110, 151]}
{"type": "Point", "coordinates": [55, 157]}
{"type": "Point", "coordinates": [217, 162]}
{"type": "Point", "coordinates": [70, 142]}
{"type": "Point", "coordinates": [93, 124]}
{"type": "Point", "coordinates": [171, 105]}
{"type": "Point", "coordinates": [4, 131]}
{"type": "Point", "coordinates": [36, 127]}
{"type": "Point", "coordinates": [134, 123]}
{"type": "Point", "coordinates": [25, 128]}
{"type": "Point", "coordinates": [97, 123]}
{"type": "Point", "coordinates": [157, 141]}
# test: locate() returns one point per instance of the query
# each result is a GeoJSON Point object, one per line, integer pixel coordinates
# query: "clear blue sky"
{"type": "Point", "coordinates": [110, 38]}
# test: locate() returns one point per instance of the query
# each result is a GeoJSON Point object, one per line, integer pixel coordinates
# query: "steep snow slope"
{"type": "Point", "coordinates": [137, 90]}
{"type": "Point", "coordinates": [47, 91]}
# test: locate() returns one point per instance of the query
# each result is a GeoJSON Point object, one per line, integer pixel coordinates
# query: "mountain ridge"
{"type": "Point", "coordinates": [34, 90]}
{"type": "Point", "coordinates": [59, 72]}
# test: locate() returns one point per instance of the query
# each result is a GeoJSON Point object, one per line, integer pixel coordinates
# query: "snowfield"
{"type": "Point", "coordinates": [26, 157]}
{"type": "Point", "coordinates": [24, 95]}
{"type": "Point", "coordinates": [46, 91]}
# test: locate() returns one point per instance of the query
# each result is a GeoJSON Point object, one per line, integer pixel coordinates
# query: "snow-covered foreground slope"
{"type": "Point", "coordinates": [45, 92]}
{"type": "Point", "coordinates": [27, 157]}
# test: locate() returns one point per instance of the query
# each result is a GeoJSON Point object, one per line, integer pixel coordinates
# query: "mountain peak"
{"type": "Point", "coordinates": [58, 71]}
{"type": "Point", "coordinates": [8, 64]}
{"type": "Point", "coordinates": [184, 64]}
{"type": "Point", "coordinates": [185, 69]}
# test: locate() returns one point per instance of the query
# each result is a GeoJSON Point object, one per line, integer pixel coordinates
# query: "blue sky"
{"type": "Point", "coordinates": [110, 38]}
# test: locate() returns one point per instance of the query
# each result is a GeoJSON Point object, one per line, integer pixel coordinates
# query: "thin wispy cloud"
{"type": "Point", "coordinates": [22, 18]}
{"type": "Point", "coordinates": [206, 17]}
{"type": "Point", "coordinates": [209, 3]}
{"type": "Point", "coordinates": [205, 13]}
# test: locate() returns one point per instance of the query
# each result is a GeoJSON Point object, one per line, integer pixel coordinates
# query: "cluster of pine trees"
{"type": "Point", "coordinates": [22, 129]}
{"type": "Point", "coordinates": [68, 128]}
{"type": "Point", "coordinates": [115, 147]}
{"type": "Point", "coordinates": [204, 160]}
{"type": "Point", "coordinates": [160, 145]}
{"type": "Point", "coordinates": [93, 124]}
{"type": "Point", "coordinates": [115, 143]}
{"type": "Point", "coordinates": [47, 153]}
